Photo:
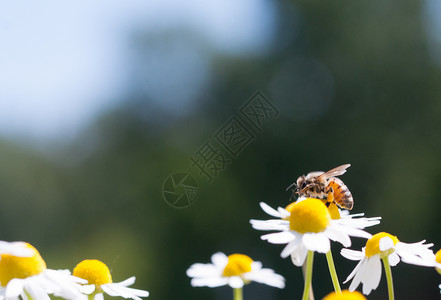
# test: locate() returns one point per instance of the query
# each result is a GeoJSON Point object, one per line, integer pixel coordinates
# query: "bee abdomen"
{"type": "Point", "coordinates": [342, 195]}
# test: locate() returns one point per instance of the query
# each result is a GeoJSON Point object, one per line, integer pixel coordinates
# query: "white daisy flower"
{"type": "Point", "coordinates": [310, 225]}
{"type": "Point", "coordinates": [382, 245]}
{"type": "Point", "coordinates": [28, 276]}
{"type": "Point", "coordinates": [234, 270]}
{"type": "Point", "coordinates": [99, 281]}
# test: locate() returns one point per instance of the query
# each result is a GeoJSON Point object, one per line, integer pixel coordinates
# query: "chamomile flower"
{"type": "Point", "coordinates": [99, 280]}
{"type": "Point", "coordinates": [308, 225]}
{"type": "Point", "coordinates": [234, 270]}
{"type": "Point", "coordinates": [28, 276]}
{"type": "Point", "coordinates": [387, 247]}
{"type": "Point", "coordinates": [345, 295]}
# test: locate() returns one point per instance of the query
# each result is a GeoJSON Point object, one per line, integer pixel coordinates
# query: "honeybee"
{"type": "Point", "coordinates": [325, 185]}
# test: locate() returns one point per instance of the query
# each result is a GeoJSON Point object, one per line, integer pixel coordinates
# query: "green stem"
{"type": "Point", "coordinates": [29, 296]}
{"type": "Point", "coordinates": [308, 275]}
{"type": "Point", "coordinates": [311, 291]}
{"type": "Point", "coordinates": [238, 294]}
{"type": "Point", "coordinates": [390, 283]}
{"type": "Point", "coordinates": [333, 272]}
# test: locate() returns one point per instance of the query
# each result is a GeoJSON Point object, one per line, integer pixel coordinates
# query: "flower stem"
{"type": "Point", "coordinates": [238, 295]}
{"type": "Point", "coordinates": [311, 291]}
{"type": "Point", "coordinates": [29, 296]}
{"type": "Point", "coordinates": [390, 284]}
{"type": "Point", "coordinates": [333, 272]}
{"type": "Point", "coordinates": [308, 275]}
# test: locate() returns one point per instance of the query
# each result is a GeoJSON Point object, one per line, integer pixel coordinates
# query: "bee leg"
{"type": "Point", "coordinates": [292, 194]}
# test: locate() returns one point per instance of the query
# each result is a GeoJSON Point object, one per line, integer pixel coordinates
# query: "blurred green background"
{"type": "Point", "coordinates": [354, 82]}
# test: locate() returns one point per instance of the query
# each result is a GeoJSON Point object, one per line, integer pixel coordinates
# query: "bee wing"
{"type": "Point", "coordinates": [340, 170]}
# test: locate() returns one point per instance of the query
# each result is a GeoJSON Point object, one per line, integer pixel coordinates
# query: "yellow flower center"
{"type": "Point", "coordinates": [20, 267]}
{"type": "Point", "coordinates": [373, 245]}
{"type": "Point", "coordinates": [290, 206]}
{"type": "Point", "coordinates": [345, 295]}
{"type": "Point", "coordinates": [237, 265]}
{"type": "Point", "coordinates": [438, 259]}
{"type": "Point", "coordinates": [94, 271]}
{"type": "Point", "coordinates": [309, 215]}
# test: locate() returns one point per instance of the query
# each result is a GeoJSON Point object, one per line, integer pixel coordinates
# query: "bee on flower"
{"type": "Point", "coordinates": [308, 225]}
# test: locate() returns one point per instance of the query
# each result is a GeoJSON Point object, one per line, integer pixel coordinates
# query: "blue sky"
{"type": "Point", "coordinates": [62, 64]}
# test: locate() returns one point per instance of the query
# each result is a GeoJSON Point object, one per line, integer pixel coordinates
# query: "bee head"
{"type": "Point", "coordinates": [301, 184]}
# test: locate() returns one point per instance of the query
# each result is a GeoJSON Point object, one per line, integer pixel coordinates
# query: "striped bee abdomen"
{"type": "Point", "coordinates": [342, 195]}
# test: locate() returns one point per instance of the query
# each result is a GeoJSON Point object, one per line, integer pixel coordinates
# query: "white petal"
{"type": "Point", "coordinates": [279, 225]}
{"type": "Point", "coordinates": [128, 281]}
{"type": "Point", "coordinates": [219, 259]}
{"type": "Point", "coordinates": [373, 276]}
{"type": "Point", "coordinates": [283, 212]}
{"type": "Point", "coordinates": [210, 282]}
{"type": "Point", "coordinates": [111, 290]}
{"type": "Point", "coordinates": [350, 276]}
{"type": "Point", "coordinates": [115, 290]}
{"type": "Point", "coordinates": [14, 288]}
{"type": "Point", "coordinates": [316, 242]}
{"type": "Point", "coordinates": [386, 243]}
{"type": "Point", "coordinates": [356, 274]}
{"type": "Point", "coordinates": [337, 235]}
{"type": "Point", "coordinates": [356, 232]}
{"type": "Point", "coordinates": [15, 249]}
{"type": "Point", "coordinates": [87, 289]}
{"type": "Point", "coordinates": [256, 266]}
{"type": "Point", "coordinates": [266, 276]}
{"type": "Point", "coordinates": [99, 296]}
{"type": "Point", "coordinates": [298, 257]}
{"type": "Point", "coordinates": [235, 282]}
{"type": "Point", "coordinates": [35, 291]}
{"type": "Point", "coordinates": [279, 237]}
{"type": "Point", "coordinates": [394, 259]}
{"type": "Point", "coordinates": [291, 246]}
{"type": "Point", "coordinates": [352, 254]}
{"type": "Point", "coordinates": [204, 270]}
{"type": "Point", "coordinates": [269, 210]}
{"type": "Point", "coordinates": [359, 223]}
{"type": "Point", "coordinates": [137, 292]}
{"type": "Point", "coordinates": [347, 215]}
{"type": "Point", "coordinates": [363, 273]}
{"type": "Point", "coordinates": [417, 253]}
